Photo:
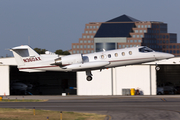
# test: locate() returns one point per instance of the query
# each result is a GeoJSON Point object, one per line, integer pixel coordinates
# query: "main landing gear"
{"type": "Point", "coordinates": [89, 78]}
{"type": "Point", "coordinates": [89, 75]}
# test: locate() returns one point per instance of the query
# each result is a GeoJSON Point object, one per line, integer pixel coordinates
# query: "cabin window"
{"type": "Point", "coordinates": [130, 52]}
{"type": "Point", "coordinates": [95, 57]}
{"type": "Point", "coordinates": [102, 56]}
{"type": "Point", "coordinates": [109, 55]}
{"type": "Point", "coordinates": [145, 49]}
{"type": "Point", "coordinates": [116, 54]}
{"type": "Point", "coordinates": [123, 53]}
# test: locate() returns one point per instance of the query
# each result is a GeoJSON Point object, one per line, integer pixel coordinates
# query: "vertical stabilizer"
{"type": "Point", "coordinates": [25, 55]}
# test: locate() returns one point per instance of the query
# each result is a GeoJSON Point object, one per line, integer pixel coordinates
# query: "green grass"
{"type": "Point", "coordinates": [27, 114]}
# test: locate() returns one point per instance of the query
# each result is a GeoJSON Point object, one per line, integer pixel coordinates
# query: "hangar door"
{"type": "Point", "coordinates": [168, 79]}
{"type": "Point", "coordinates": [42, 83]}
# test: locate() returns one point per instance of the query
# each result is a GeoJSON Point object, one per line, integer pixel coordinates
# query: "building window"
{"type": "Point", "coordinates": [131, 41]}
{"type": "Point", "coordinates": [88, 36]}
{"type": "Point", "coordinates": [135, 41]}
{"type": "Point", "coordinates": [77, 46]}
{"type": "Point", "coordinates": [139, 26]}
{"type": "Point", "coordinates": [134, 36]}
{"type": "Point", "coordinates": [94, 27]}
{"type": "Point", "coordinates": [142, 26]}
{"type": "Point", "coordinates": [81, 41]}
{"type": "Point", "coordinates": [85, 41]}
{"type": "Point", "coordinates": [84, 46]}
{"type": "Point", "coordinates": [74, 51]}
{"type": "Point", "coordinates": [90, 31]}
{"type": "Point", "coordinates": [92, 51]}
{"type": "Point", "coordinates": [81, 46]}
{"type": "Point", "coordinates": [88, 46]}
{"type": "Point", "coordinates": [116, 55]}
{"type": "Point", "coordinates": [139, 41]}
{"type": "Point", "coordinates": [149, 26]}
{"type": "Point", "coordinates": [77, 51]}
{"type": "Point", "coordinates": [145, 26]}
{"type": "Point", "coordinates": [90, 27]}
{"type": "Point", "coordinates": [142, 36]}
{"type": "Point", "coordinates": [140, 31]}
{"type": "Point", "coordinates": [92, 46]}
{"type": "Point", "coordinates": [81, 51]}
{"type": "Point", "coordinates": [174, 46]}
{"type": "Point", "coordinates": [89, 41]}
{"type": "Point", "coordinates": [123, 46]}
{"type": "Point", "coordinates": [74, 46]}
{"type": "Point", "coordinates": [136, 31]}
{"type": "Point", "coordinates": [87, 27]}
{"type": "Point", "coordinates": [84, 36]}
{"type": "Point", "coordinates": [88, 51]}
{"type": "Point", "coordinates": [127, 46]}
{"type": "Point", "coordinates": [92, 36]}
{"type": "Point", "coordinates": [137, 36]}
{"type": "Point", "coordinates": [178, 51]}
{"type": "Point", "coordinates": [94, 31]}
{"type": "Point", "coordinates": [86, 31]}
{"type": "Point", "coordinates": [119, 46]}
{"type": "Point", "coordinates": [84, 51]}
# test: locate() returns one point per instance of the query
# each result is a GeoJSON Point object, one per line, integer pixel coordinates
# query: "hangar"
{"type": "Point", "coordinates": [110, 81]}
{"type": "Point", "coordinates": [38, 83]}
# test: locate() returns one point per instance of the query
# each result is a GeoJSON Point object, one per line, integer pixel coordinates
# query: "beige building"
{"type": "Point", "coordinates": [125, 31]}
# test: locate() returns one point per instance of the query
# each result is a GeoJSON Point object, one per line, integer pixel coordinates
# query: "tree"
{"type": "Point", "coordinates": [61, 52]}
{"type": "Point", "coordinates": [40, 51]}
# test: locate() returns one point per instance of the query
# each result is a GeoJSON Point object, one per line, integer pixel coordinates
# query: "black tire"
{"type": "Point", "coordinates": [89, 78]}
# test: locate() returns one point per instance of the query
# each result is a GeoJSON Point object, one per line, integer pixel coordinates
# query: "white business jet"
{"type": "Point", "coordinates": [30, 61]}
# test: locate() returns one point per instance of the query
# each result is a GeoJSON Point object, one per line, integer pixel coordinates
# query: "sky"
{"type": "Point", "coordinates": [56, 24]}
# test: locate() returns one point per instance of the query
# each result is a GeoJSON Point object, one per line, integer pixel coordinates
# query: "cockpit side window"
{"type": "Point", "coordinates": [145, 49]}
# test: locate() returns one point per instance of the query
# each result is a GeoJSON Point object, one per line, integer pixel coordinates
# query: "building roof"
{"type": "Point", "coordinates": [123, 18]}
{"type": "Point", "coordinates": [114, 30]}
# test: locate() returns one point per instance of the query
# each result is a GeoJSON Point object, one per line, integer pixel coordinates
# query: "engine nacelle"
{"type": "Point", "coordinates": [70, 59]}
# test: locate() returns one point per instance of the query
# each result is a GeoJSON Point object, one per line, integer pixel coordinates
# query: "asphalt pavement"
{"type": "Point", "coordinates": [116, 107]}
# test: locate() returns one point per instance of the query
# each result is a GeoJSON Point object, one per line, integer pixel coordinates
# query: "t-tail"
{"type": "Point", "coordinates": [25, 56]}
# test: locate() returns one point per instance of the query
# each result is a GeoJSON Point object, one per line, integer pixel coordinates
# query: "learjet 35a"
{"type": "Point", "coordinates": [30, 61]}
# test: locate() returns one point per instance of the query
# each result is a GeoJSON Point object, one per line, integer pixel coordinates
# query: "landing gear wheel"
{"type": "Point", "coordinates": [89, 78]}
{"type": "Point", "coordinates": [157, 68]}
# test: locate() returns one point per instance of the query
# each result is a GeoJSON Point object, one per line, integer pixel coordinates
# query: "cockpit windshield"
{"type": "Point", "coordinates": [145, 49]}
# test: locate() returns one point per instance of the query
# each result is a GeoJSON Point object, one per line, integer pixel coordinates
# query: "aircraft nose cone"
{"type": "Point", "coordinates": [161, 56]}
